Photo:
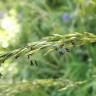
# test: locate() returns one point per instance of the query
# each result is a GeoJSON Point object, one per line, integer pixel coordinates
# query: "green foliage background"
{"type": "Point", "coordinates": [58, 73]}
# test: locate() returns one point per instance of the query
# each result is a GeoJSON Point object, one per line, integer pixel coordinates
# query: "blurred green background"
{"type": "Point", "coordinates": [25, 21]}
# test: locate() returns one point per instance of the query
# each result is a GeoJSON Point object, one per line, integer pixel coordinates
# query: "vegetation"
{"type": "Point", "coordinates": [47, 48]}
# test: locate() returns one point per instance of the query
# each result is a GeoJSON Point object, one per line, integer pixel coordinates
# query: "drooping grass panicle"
{"type": "Point", "coordinates": [52, 42]}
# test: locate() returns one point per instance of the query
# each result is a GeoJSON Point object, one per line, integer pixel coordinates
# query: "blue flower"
{"type": "Point", "coordinates": [1, 14]}
{"type": "Point", "coordinates": [65, 16]}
